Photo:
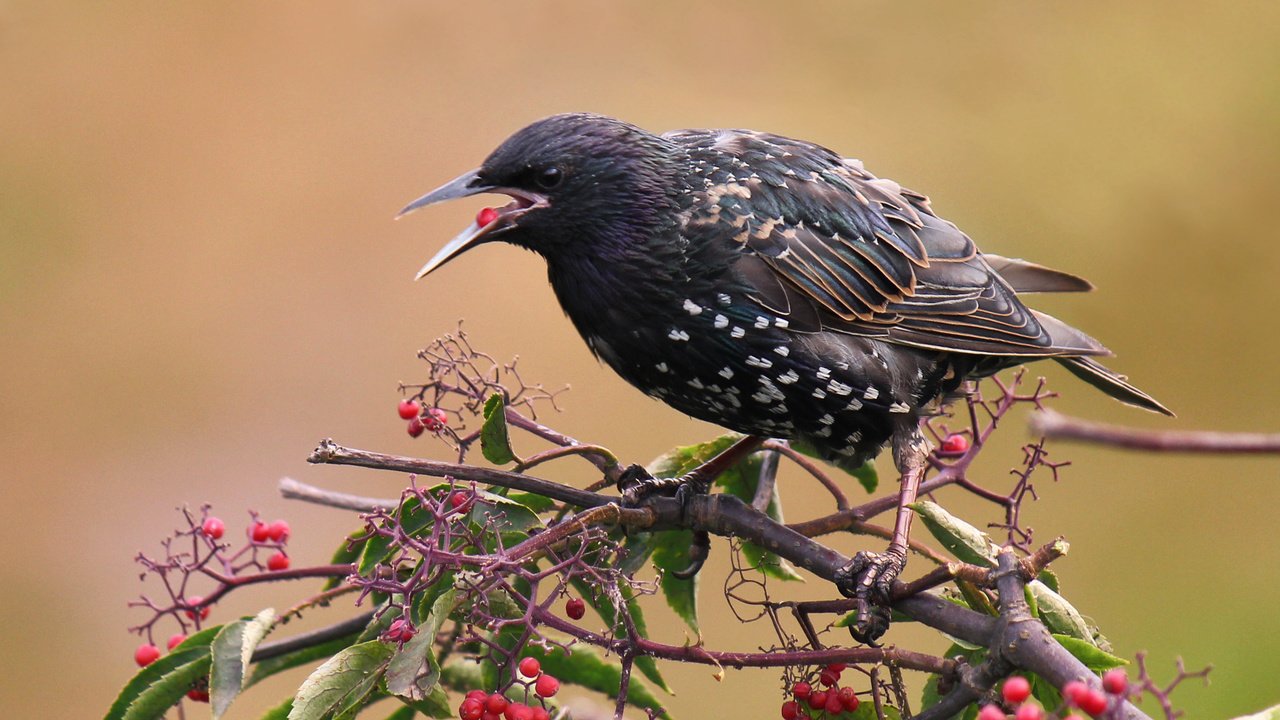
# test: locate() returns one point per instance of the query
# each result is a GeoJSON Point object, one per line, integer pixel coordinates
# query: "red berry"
{"type": "Point", "coordinates": [540, 714]}
{"type": "Point", "coordinates": [849, 698]}
{"type": "Point", "coordinates": [575, 608]}
{"type": "Point", "coordinates": [460, 501]}
{"type": "Point", "coordinates": [146, 654]}
{"type": "Point", "coordinates": [801, 690]}
{"type": "Point", "coordinates": [278, 531]}
{"type": "Point", "coordinates": [790, 711]}
{"type": "Point", "coordinates": [837, 668]}
{"type": "Point", "coordinates": [478, 695]}
{"type": "Point", "coordinates": [471, 709]}
{"type": "Point", "coordinates": [519, 711]}
{"type": "Point", "coordinates": [1073, 716]}
{"type": "Point", "coordinates": [828, 678]}
{"type": "Point", "coordinates": [1016, 689]}
{"type": "Point", "coordinates": [486, 216]}
{"type": "Point", "coordinates": [1074, 692]}
{"type": "Point", "coordinates": [1093, 702]}
{"type": "Point", "coordinates": [193, 601]}
{"type": "Point", "coordinates": [279, 561]}
{"type": "Point", "coordinates": [409, 409]}
{"type": "Point", "coordinates": [530, 667]}
{"type": "Point", "coordinates": [490, 716]}
{"type": "Point", "coordinates": [198, 695]}
{"type": "Point", "coordinates": [834, 704]}
{"type": "Point", "coordinates": [260, 532]}
{"type": "Point", "coordinates": [435, 420]}
{"type": "Point", "coordinates": [175, 640]}
{"type": "Point", "coordinates": [1029, 711]}
{"type": "Point", "coordinates": [955, 445]}
{"type": "Point", "coordinates": [991, 712]}
{"type": "Point", "coordinates": [818, 700]}
{"type": "Point", "coordinates": [1115, 681]}
{"type": "Point", "coordinates": [213, 527]}
{"type": "Point", "coordinates": [415, 427]}
{"type": "Point", "coordinates": [546, 686]}
{"type": "Point", "coordinates": [400, 631]}
{"type": "Point", "coordinates": [495, 704]}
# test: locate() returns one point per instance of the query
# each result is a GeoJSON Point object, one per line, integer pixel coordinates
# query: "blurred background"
{"type": "Point", "coordinates": [200, 276]}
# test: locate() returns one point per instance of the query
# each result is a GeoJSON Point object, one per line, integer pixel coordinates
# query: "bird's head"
{"type": "Point", "coordinates": [579, 183]}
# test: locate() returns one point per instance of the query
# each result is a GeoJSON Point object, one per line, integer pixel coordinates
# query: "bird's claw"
{"type": "Point", "coordinates": [636, 485]}
{"type": "Point", "coordinates": [868, 579]}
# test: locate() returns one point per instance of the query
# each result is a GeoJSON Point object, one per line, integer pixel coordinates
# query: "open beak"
{"type": "Point", "coordinates": [496, 221]}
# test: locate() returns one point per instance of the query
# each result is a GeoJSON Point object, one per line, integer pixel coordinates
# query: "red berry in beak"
{"type": "Point", "coordinates": [486, 216]}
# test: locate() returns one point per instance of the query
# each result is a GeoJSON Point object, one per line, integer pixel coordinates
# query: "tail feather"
{"type": "Point", "coordinates": [1112, 384]}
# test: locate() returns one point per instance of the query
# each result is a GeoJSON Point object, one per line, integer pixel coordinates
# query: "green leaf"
{"type": "Point", "coordinates": [865, 473]}
{"type": "Point", "coordinates": [670, 554]}
{"type": "Point", "coordinates": [414, 670]}
{"type": "Point", "coordinates": [1094, 658]}
{"type": "Point", "coordinates": [1058, 615]}
{"type": "Point", "coordinates": [404, 713]}
{"type": "Point", "coordinates": [348, 553]}
{"type": "Point", "coordinates": [1271, 713]}
{"type": "Point", "coordinates": [156, 700]}
{"type": "Point", "coordinates": [232, 648]}
{"type": "Point", "coordinates": [342, 684]}
{"type": "Point", "coordinates": [605, 606]}
{"type": "Point", "coordinates": [585, 667]}
{"type": "Point", "coordinates": [506, 515]}
{"type": "Point", "coordinates": [495, 444]}
{"type": "Point", "coordinates": [272, 666]}
{"type": "Point", "coordinates": [435, 704]}
{"type": "Point", "coordinates": [279, 712]}
{"type": "Point", "coordinates": [741, 480]}
{"type": "Point", "coordinates": [966, 542]}
{"type": "Point", "coordinates": [193, 648]}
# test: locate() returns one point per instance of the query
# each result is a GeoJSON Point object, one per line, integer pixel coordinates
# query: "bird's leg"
{"type": "Point", "coordinates": [637, 484]}
{"type": "Point", "coordinates": [868, 578]}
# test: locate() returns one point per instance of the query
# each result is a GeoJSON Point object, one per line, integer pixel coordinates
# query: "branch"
{"type": "Point", "coordinates": [1055, 425]}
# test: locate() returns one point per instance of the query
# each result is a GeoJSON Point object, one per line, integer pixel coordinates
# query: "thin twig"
{"type": "Point", "coordinates": [1055, 425]}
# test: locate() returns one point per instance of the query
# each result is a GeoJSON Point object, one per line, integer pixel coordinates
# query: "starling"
{"type": "Point", "coordinates": [771, 286]}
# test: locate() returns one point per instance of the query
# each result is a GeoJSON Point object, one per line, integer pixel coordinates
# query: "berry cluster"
{"type": "Point", "coordinates": [422, 419]}
{"type": "Point", "coordinates": [1017, 690]}
{"type": "Point", "coordinates": [480, 705]}
{"type": "Point", "coordinates": [812, 702]}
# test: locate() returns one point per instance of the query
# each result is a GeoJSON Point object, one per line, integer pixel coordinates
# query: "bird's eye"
{"type": "Point", "coordinates": [549, 177]}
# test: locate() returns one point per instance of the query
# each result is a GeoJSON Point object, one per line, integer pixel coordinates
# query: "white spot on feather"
{"type": "Point", "coordinates": [721, 322]}
{"type": "Point", "coordinates": [692, 307]}
{"type": "Point", "coordinates": [678, 335]}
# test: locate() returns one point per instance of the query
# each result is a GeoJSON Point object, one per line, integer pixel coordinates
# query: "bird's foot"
{"type": "Point", "coordinates": [636, 485]}
{"type": "Point", "coordinates": [868, 579]}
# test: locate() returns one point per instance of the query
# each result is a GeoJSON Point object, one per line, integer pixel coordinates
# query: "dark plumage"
{"type": "Point", "coordinates": [766, 284]}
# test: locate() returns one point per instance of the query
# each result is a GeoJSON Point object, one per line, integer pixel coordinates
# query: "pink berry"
{"type": "Point", "coordinates": [277, 562]}
{"type": "Point", "coordinates": [193, 601]}
{"type": "Point", "coordinates": [486, 216]}
{"type": "Point", "coordinates": [1029, 711]}
{"type": "Point", "coordinates": [278, 531]}
{"type": "Point", "coordinates": [546, 686]}
{"type": "Point", "coordinates": [1093, 702]}
{"type": "Point", "coordinates": [955, 445]}
{"type": "Point", "coordinates": [849, 698]}
{"type": "Point", "coordinates": [495, 704]}
{"type": "Point", "coordinates": [213, 527]}
{"type": "Point", "coordinates": [435, 420]}
{"type": "Point", "coordinates": [175, 640]}
{"type": "Point", "coordinates": [1074, 692]}
{"type": "Point", "coordinates": [415, 427]}
{"type": "Point", "coordinates": [575, 608]}
{"type": "Point", "coordinates": [991, 712]}
{"type": "Point", "coordinates": [530, 667]}
{"type": "Point", "coordinates": [1115, 681]}
{"type": "Point", "coordinates": [146, 654]}
{"type": "Point", "coordinates": [834, 704]}
{"type": "Point", "coordinates": [1016, 689]}
{"type": "Point", "coordinates": [409, 409]}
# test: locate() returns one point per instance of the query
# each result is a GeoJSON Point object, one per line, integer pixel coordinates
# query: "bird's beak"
{"type": "Point", "coordinates": [497, 221]}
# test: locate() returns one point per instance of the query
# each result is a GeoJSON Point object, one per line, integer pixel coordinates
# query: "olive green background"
{"type": "Point", "coordinates": [200, 276]}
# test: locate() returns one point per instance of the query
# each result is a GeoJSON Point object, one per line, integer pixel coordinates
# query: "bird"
{"type": "Point", "coordinates": [774, 287]}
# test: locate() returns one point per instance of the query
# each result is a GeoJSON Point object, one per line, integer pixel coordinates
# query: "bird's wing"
{"type": "Point", "coordinates": [833, 247]}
